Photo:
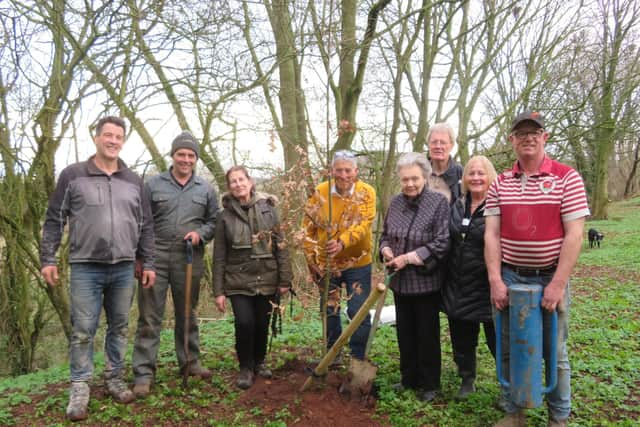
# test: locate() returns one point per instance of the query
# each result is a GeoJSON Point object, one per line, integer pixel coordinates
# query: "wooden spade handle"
{"type": "Point", "coordinates": [323, 366]}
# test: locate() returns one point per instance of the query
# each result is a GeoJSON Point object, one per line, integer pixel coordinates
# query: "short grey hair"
{"type": "Point", "coordinates": [442, 127]}
{"type": "Point", "coordinates": [414, 159]}
{"type": "Point", "coordinates": [345, 155]}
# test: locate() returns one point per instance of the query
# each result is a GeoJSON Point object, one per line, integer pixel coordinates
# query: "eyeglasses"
{"type": "Point", "coordinates": [524, 134]}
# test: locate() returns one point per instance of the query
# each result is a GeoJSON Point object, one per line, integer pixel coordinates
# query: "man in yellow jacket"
{"type": "Point", "coordinates": [344, 240]}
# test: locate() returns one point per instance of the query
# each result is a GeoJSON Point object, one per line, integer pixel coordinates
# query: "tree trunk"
{"type": "Point", "coordinates": [352, 74]}
{"type": "Point", "coordinates": [605, 131]}
{"type": "Point", "coordinates": [292, 131]}
{"type": "Point", "coordinates": [429, 50]}
{"type": "Point", "coordinates": [628, 186]}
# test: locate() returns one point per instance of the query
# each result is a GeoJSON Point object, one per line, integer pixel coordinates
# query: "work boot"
{"type": "Point", "coordinates": [337, 363]}
{"type": "Point", "coordinates": [466, 388]}
{"type": "Point", "coordinates": [263, 371]}
{"type": "Point", "coordinates": [557, 423]}
{"type": "Point", "coordinates": [141, 389]}
{"type": "Point", "coordinates": [245, 378]}
{"type": "Point", "coordinates": [515, 419]}
{"type": "Point", "coordinates": [428, 396]}
{"type": "Point", "coordinates": [78, 401]}
{"type": "Point", "coordinates": [119, 391]}
{"type": "Point", "coordinates": [197, 370]}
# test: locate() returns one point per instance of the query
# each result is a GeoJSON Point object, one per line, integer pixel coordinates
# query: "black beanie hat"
{"type": "Point", "coordinates": [185, 140]}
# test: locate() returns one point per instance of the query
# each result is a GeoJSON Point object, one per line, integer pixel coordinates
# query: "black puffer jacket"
{"type": "Point", "coordinates": [465, 294]}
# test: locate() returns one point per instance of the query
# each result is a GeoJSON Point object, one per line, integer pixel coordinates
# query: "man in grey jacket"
{"type": "Point", "coordinates": [184, 207]}
{"type": "Point", "coordinates": [110, 225]}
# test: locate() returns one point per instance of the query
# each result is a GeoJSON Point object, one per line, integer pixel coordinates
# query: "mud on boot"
{"type": "Point", "coordinates": [263, 371]}
{"type": "Point", "coordinates": [119, 390]}
{"type": "Point", "coordinates": [245, 378]}
{"type": "Point", "coordinates": [515, 419]}
{"type": "Point", "coordinates": [141, 389]}
{"type": "Point", "coordinates": [197, 370]}
{"type": "Point", "coordinates": [557, 423]}
{"type": "Point", "coordinates": [77, 409]}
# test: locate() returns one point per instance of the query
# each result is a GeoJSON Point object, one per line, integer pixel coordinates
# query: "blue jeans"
{"type": "Point", "coordinates": [559, 400]}
{"type": "Point", "coordinates": [93, 286]}
{"type": "Point", "coordinates": [351, 276]}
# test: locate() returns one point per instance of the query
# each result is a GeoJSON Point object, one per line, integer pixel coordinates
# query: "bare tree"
{"type": "Point", "coordinates": [397, 48]}
{"type": "Point", "coordinates": [631, 185]}
{"type": "Point", "coordinates": [592, 94]}
{"type": "Point", "coordinates": [127, 51]}
{"type": "Point", "coordinates": [292, 126]}
{"type": "Point", "coordinates": [618, 18]}
{"type": "Point", "coordinates": [36, 126]}
{"type": "Point", "coordinates": [353, 57]}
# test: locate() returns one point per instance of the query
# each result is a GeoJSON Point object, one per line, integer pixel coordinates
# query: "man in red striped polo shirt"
{"type": "Point", "coordinates": [535, 215]}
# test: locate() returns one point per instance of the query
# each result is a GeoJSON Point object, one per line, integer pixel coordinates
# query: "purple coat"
{"type": "Point", "coordinates": [421, 224]}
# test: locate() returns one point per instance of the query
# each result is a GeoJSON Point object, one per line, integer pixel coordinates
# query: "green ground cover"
{"type": "Point", "coordinates": [604, 351]}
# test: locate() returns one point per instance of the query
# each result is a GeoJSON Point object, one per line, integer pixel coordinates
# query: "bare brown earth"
{"type": "Point", "coordinates": [604, 272]}
{"type": "Point", "coordinates": [322, 405]}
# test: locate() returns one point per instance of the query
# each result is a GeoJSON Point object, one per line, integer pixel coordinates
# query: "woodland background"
{"type": "Point", "coordinates": [295, 81]}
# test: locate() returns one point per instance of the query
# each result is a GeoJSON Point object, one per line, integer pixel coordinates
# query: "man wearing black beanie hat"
{"type": "Point", "coordinates": [185, 140]}
{"type": "Point", "coordinates": [184, 207]}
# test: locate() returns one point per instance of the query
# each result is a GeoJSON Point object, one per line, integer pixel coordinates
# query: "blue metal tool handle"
{"type": "Point", "coordinates": [552, 367]}
{"type": "Point", "coordinates": [551, 371]}
{"type": "Point", "coordinates": [189, 251]}
{"type": "Point", "coordinates": [503, 382]}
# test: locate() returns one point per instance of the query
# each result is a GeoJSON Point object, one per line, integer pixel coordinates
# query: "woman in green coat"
{"type": "Point", "coordinates": [251, 264]}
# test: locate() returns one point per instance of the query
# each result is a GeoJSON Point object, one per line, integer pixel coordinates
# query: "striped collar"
{"type": "Point", "coordinates": [544, 169]}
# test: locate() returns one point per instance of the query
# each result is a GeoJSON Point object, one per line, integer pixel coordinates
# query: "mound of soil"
{"type": "Point", "coordinates": [321, 405]}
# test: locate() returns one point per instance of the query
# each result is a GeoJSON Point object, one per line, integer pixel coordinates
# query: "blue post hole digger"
{"type": "Point", "coordinates": [526, 347]}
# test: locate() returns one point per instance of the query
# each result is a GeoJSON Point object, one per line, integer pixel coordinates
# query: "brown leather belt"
{"type": "Point", "coordinates": [531, 271]}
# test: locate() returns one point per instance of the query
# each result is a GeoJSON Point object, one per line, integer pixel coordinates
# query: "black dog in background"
{"type": "Point", "coordinates": [595, 237]}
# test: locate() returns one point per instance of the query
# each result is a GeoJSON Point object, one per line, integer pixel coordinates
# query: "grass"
{"type": "Point", "coordinates": [604, 351]}
{"type": "Point", "coordinates": [620, 248]}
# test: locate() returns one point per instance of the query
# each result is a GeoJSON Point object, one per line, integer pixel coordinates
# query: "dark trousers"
{"type": "Point", "coordinates": [251, 319]}
{"type": "Point", "coordinates": [464, 340]}
{"type": "Point", "coordinates": [418, 329]}
{"type": "Point", "coordinates": [170, 275]}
